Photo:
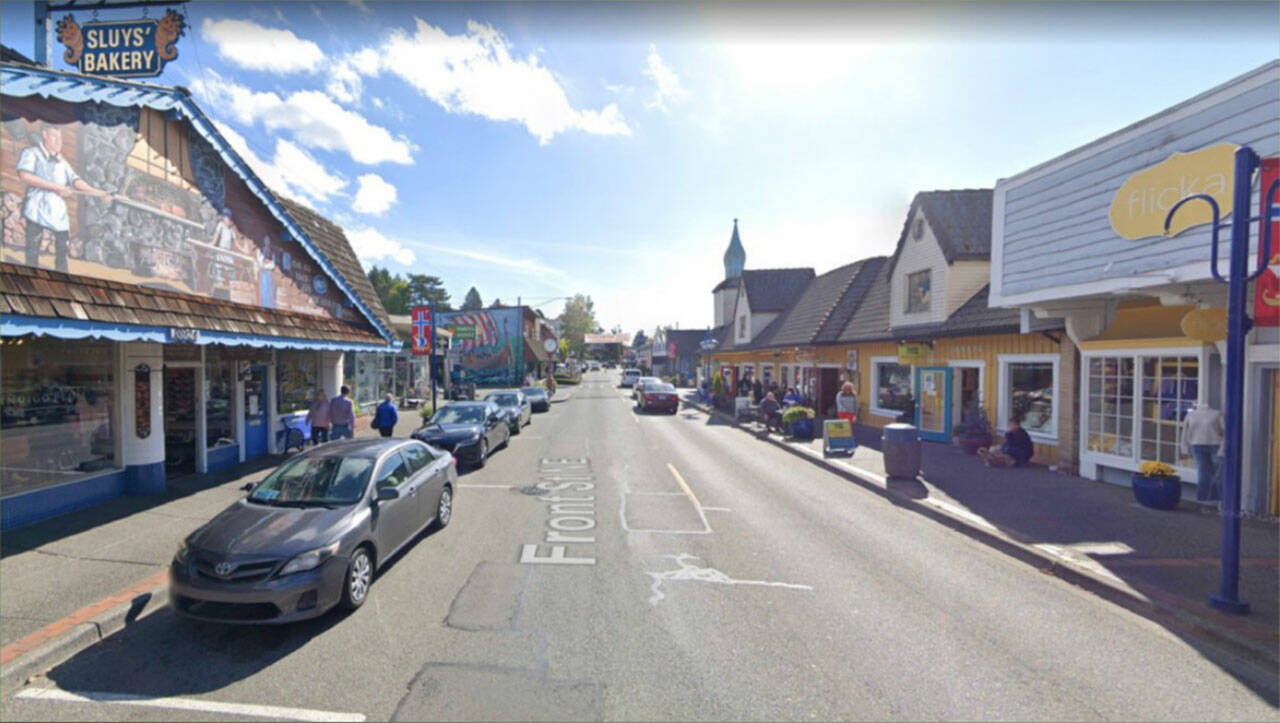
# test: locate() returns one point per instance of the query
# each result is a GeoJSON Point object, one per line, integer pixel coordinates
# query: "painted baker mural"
{"type": "Point", "coordinates": [126, 194]}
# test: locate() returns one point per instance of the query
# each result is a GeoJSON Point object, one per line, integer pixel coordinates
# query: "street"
{"type": "Point", "coordinates": [690, 574]}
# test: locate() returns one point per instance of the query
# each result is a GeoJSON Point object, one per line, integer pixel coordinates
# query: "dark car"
{"type": "Point", "coordinates": [470, 430]}
{"type": "Point", "coordinates": [310, 535]}
{"type": "Point", "coordinates": [660, 396]}
{"type": "Point", "coordinates": [539, 399]}
{"type": "Point", "coordinates": [515, 405]}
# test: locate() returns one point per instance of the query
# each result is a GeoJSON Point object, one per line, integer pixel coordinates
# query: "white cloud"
{"type": "Point", "coordinates": [475, 73]}
{"type": "Point", "coordinates": [292, 171]}
{"type": "Point", "coordinates": [666, 84]}
{"type": "Point", "coordinates": [345, 82]}
{"type": "Point", "coordinates": [249, 45]}
{"type": "Point", "coordinates": [371, 245]}
{"type": "Point", "coordinates": [528, 265]}
{"type": "Point", "coordinates": [315, 120]}
{"type": "Point", "coordinates": [375, 195]}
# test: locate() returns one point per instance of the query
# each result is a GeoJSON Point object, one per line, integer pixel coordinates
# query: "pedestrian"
{"type": "Point", "coordinates": [792, 398]}
{"type": "Point", "coordinates": [342, 415]}
{"type": "Point", "coordinates": [318, 418]}
{"type": "Point", "coordinates": [1202, 433]}
{"type": "Point", "coordinates": [847, 404]}
{"type": "Point", "coordinates": [770, 412]}
{"type": "Point", "coordinates": [385, 418]}
{"type": "Point", "coordinates": [757, 391]}
{"type": "Point", "coordinates": [1016, 450]}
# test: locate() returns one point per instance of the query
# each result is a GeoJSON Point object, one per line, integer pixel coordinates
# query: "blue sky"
{"type": "Point", "coordinates": [540, 150]}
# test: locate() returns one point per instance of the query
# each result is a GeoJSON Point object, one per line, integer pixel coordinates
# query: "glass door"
{"type": "Point", "coordinates": [933, 403]}
{"type": "Point", "coordinates": [179, 421]}
{"type": "Point", "coordinates": [255, 411]}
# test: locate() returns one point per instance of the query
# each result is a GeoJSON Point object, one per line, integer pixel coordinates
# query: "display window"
{"type": "Point", "coordinates": [219, 391]}
{"type": "Point", "coordinates": [1135, 405]}
{"type": "Point", "coordinates": [57, 412]}
{"type": "Point", "coordinates": [892, 386]}
{"type": "Point", "coordinates": [1028, 389]}
{"type": "Point", "coordinates": [297, 379]}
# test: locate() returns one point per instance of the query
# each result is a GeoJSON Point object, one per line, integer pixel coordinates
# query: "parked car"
{"type": "Point", "coordinates": [640, 384]}
{"type": "Point", "coordinates": [629, 377]}
{"type": "Point", "coordinates": [470, 430]}
{"type": "Point", "coordinates": [539, 399]}
{"type": "Point", "coordinates": [515, 407]}
{"type": "Point", "coordinates": [660, 396]}
{"type": "Point", "coordinates": [309, 536]}
{"type": "Point", "coordinates": [595, 366]}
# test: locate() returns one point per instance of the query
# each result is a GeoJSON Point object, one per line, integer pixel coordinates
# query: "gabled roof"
{"type": "Point", "coordinates": [973, 317]}
{"type": "Point", "coordinates": [24, 81]}
{"type": "Point", "coordinates": [686, 338]}
{"type": "Point", "coordinates": [8, 54]}
{"type": "Point", "coordinates": [852, 300]}
{"type": "Point", "coordinates": [870, 320]}
{"type": "Point", "coordinates": [960, 220]}
{"type": "Point", "coordinates": [774, 289]}
{"type": "Point", "coordinates": [801, 323]}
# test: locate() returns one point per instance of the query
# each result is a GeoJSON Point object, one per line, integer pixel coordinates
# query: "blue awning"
{"type": "Point", "coordinates": [12, 325]}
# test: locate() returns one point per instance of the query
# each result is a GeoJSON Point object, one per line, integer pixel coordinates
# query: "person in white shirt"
{"type": "Point", "coordinates": [1202, 433]}
{"type": "Point", "coordinates": [50, 180]}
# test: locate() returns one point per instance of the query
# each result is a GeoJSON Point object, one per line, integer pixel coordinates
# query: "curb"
{"type": "Point", "coordinates": [59, 641]}
{"type": "Point", "coordinates": [1247, 651]}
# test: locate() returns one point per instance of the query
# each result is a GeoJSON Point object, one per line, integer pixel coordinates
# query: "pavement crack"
{"type": "Point", "coordinates": [689, 571]}
{"type": "Point", "coordinates": [81, 558]}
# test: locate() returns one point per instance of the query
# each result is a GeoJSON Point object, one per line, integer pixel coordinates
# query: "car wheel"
{"type": "Point", "coordinates": [355, 586]}
{"type": "Point", "coordinates": [516, 428]}
{"type": "Point", "coordinates": [505, 442]}
{"type": "Point", "coordinates": [675, 410]}
{"type": "Point", "coordinates": [484, 452]}
{"type": "Point", "coordinates": [444, 509]}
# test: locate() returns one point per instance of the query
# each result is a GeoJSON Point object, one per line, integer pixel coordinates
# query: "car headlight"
{"type": "Point", "coordinates": [473, 438]}
{"type": "Point", "coordinates": [181, 555]}
{"type": "Point", "coordinates": [310, 560]}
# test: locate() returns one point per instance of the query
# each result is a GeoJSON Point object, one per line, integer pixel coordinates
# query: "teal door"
{"type": "Point", "coordinates": [255, 412]}
{"type": "Point", "coordinates": [933, 403]}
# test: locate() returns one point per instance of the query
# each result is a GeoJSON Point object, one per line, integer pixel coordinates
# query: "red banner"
{"type": "Point", "coordinates": [421, 330]}
{"type": "Point", "coordinates": [1266, 303]}
{"type": "Point", "coordinates": [671, 350]}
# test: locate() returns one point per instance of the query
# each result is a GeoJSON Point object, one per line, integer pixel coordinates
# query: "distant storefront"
{"type": "Point", "coordinates": [163, 310]}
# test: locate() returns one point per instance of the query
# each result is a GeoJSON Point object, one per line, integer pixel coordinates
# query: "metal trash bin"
{"type": "Point", "coordinates": [901, 450]}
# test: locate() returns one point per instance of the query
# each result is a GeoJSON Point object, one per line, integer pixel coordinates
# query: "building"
{"type": "Point", "coordinates": [687, 359]}
{"type": "Point", "coordinates": [1135, 301]}
{"type": "Point", "coordinates": [498, 346]}
{"type": "Point", "coordinates": [170, 312]}
{"type": "Point", "coordinates": [606, 347]}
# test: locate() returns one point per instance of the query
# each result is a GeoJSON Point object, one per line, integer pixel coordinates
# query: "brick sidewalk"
{"type": "Point", "coordinates": [1168, 559]}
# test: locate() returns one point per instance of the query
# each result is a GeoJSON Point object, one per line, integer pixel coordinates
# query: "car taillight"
{"type": "Point", "coordinates": [651, 397]}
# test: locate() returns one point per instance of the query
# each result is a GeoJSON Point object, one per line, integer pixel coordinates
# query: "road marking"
{"type": "Point", "coordinates": [716, 509]}
{"type": "Point", "coordinates": [190, 704]}
{"type": "Point", "coordinates": [688, 571]}
{"type": "Point", "coordinates": [683, 486]}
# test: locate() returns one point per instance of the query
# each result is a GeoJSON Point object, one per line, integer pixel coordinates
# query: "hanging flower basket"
{"type": "Point", "coordinates": [1156, 485]}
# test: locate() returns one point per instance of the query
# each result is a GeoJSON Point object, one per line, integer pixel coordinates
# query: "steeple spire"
{"type": "Point", "coordinates": [735, 257]}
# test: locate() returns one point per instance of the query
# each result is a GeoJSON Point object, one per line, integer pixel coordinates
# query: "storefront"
{"type": "Point", "coordinates": [169, 315]}
{"type": "Point", "coordinates": [1140, 304]}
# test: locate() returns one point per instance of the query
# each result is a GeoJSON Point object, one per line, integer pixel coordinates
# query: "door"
{"type": "Point", "coordinates": [933, 403]}
{"type": "Point", "coordinates": [828, 388]}
{"type": "Point", "coordinates": [179, 421]}
{"type": "Point", "coordinates": [398, 518]}
{"type": "Point", "coordinates": [426, 477]}
{"type": "Point", "coordinates": [255, 412]}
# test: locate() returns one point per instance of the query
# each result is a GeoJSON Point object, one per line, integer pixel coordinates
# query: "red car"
{"type": "Point", "coordinates": [662, 397]}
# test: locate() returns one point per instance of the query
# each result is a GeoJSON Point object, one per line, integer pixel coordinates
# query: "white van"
{"type": "Point", "coordinates": [630, 377]}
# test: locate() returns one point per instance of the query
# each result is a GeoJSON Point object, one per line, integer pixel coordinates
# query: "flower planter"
{"type": "Point", "coordinates": [971, 445]}
{"type": "Point", "coordinates": [802, 429]}
{"type": "Point", "coordinates": [1158, 493]}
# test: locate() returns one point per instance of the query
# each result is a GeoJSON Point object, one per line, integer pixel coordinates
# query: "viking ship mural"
{"type": "Point", "coordinates": [484, 345]}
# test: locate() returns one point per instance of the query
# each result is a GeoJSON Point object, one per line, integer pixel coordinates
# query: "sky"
{"type": "Point", "coordinates": [540, 150]}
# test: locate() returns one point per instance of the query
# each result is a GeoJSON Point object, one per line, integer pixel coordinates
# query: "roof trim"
{"type": "Point", "coordinates": [16, 325]}
{"type": "Point", "coordinates": [76, 88]}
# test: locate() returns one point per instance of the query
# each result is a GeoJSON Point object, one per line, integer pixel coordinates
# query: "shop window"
{"type": "Point", "coordinates": [57, 412]}
{"type": "Point", "coordinates": [297, 379]}
{"type": "Point", "coordinates": [918, 291]}
{"type": "Point", "coordinates": [892, 383]}
{"type": "Point", "coordinates": [1109, 426]}
{"type": "Point", "coordinates": [1170, 385]}
{"type": "Point", "coordinates": [1028, 386]}
{"type": "Point", "coordinates": [219, 391]}
{"type": "Point", "coordinates": [374, 377]}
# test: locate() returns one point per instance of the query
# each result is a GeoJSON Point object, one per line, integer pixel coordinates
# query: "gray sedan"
{"type": "Point", "coordinates": [310, 536]}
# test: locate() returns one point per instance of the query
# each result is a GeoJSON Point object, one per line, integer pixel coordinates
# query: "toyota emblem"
{"type": "Point", "coordinates": [224, 568]}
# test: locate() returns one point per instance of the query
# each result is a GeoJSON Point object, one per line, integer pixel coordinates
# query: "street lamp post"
{"type": "Point", "coordinates": [708, 345]}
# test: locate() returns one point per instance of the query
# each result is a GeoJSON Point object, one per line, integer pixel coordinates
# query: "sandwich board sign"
{"type": "Point", "coordinates": [837, 437]}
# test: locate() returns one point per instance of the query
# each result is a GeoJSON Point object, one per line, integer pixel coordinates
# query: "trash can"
{"type": "Point", "coordinates": [901, 450]}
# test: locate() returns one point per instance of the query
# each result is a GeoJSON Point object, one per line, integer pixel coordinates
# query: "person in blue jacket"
{"type": "Point", "coordinates": [385, 418]}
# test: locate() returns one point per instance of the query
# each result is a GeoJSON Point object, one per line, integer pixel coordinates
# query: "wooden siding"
{"type": "Point", "coordinates": [918, 255]}
{"type": "Point", "coordinates": [1057, 218]}
{"type": "Point", "coordinates": [964, 279]}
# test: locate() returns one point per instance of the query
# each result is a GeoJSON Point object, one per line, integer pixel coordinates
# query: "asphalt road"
{"type": "Point", "coordinates": [708, 577]}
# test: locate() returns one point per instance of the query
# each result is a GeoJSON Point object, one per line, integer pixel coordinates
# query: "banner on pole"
{"type": "Point", "coordinates": [1266, 303]}
{"type": "Point", "coordinates": [422, 330]}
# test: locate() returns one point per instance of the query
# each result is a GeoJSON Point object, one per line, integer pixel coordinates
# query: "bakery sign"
{"type": "Point", "coordinates": [1139, 207]}
{"type": "Point", "coordinates": [121, 48]}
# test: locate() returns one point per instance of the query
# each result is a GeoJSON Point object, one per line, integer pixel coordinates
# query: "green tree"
{"type": "Point", "coordinates": [424, 290]}
{"type": "Point", "coordinates": [391, 289]}
{"type": "Point", "coordinates": [639, 340]}
{"type": "Point", "coordinates": [497, 303]}
{"type": "Point", "coordinates": [576, 321]}
{"type": "Point", "coordinates": [472, 300]}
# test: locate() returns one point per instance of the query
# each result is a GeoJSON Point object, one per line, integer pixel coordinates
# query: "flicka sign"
{"type": "Point", "coordinates": [1142, 202]}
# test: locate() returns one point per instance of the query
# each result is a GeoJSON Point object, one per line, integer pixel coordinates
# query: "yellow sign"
{"type": "Point", "coordinates": [1205, 324]}
{"type": "Point", "coordinates": [1140, 206]}
{"type": "Point", "coordinates": [912, 353]}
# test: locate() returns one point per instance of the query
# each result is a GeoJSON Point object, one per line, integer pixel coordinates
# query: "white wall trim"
{"type": "Point", "coordinates": [981, 366]}
{"type": "Point", "coordinates": [995, 293]}
{"type": "Point", "coordinates": [874, 392]}
{"type": "Point", "coordinates": [1003, 400]}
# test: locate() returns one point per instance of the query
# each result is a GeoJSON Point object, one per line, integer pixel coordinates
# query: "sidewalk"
{"type": "Point", "coordinates": [56, 568]}
{"type": "Point", "coordinates": [1161, 564]}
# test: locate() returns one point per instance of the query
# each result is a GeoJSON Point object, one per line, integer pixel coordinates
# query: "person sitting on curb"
{"type": "Point", "coordinates": [1016, 451]}
{"type": "Point", "coordinates": [771, 411]}
{"type": "Point", "coordinates": [386, 416]}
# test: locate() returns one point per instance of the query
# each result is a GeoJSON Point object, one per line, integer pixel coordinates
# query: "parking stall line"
{"type": "Point", "coordinates": [190, 704]}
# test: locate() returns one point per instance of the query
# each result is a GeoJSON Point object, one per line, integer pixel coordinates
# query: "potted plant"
{"type": "Point", "coordinates": [799, 420]}
{"type": "Point", "coordinates": [1156, 485]}
{"type": "Point", "coordinates": [974, 430]}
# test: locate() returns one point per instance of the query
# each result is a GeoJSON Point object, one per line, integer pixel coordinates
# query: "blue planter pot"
{"type": "Point", "coordinates": [1158, 493]}
{"type": "Point", "coordinates": [802, 429]}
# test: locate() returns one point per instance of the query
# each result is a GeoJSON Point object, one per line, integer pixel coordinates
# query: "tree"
{"type": "Point", "coordinates": [640, 340]}
{"type": "Point", "coordinates": [497, 303]}
{"type": "Point", "coordinates": [617, 329]}
{"type": "Point", "coordinates": [472, 300]}
{"type": "Point", "coordinates": [576, 321]}
{"type": "Point", "coordinates": [424, 290]}
{"type": "Point", "coordinates": [392, 290]}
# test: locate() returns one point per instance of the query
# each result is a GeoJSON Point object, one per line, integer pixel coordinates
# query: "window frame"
{"type": "Point", "coordinates": [1004, 398]}
{"type": "Point", "coordinates": [873, 386]}
{"type": "Point", "coordinates": [908, 285]}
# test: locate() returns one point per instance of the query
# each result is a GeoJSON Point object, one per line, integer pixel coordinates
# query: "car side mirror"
{"type": "Point", "coordinates": [388, 493]}
{"type": "Point", "coordinates": [247, 487]}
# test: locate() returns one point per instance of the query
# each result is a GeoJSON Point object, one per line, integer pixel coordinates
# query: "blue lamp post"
{"type": "Point", "coordinates": [708, 345]}
{"type": "Point", "coordinates": [1238, 323]}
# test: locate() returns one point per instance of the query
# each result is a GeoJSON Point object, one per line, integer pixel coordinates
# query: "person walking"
{"type": "Point", "coordinates": [847, 404]}
{"type": "Point", "coordinates": [385, 418]}
{"type": "Point", "coordinates": [1202, 433]}
{"type": "Point", "coordinates": [342, 415]}
{"type": "Point", "coordinates": [318, 419]}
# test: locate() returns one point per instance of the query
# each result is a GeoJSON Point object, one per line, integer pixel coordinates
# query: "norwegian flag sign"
{"type": "Point", "coordinates": [1266, 305]}
{"type": "Point", "coordinates": [422, 331]}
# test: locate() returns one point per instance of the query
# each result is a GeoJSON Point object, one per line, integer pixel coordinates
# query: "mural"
{"type": "Point", "coordinates": [128, 195]}
{"type": "Point", "coordinates": [485, 345]}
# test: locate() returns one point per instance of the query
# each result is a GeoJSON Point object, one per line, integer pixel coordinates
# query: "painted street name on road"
{"type": "Point", "coordinates": [572, 517]}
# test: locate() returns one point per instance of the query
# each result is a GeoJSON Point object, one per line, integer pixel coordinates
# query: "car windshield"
{"type": "Point", "coordinates": [659, 388]}
{"type": "Point", "coordinates": [315, 481]}
{"type": "Point", "coordinates": [459, 415]}
{"type": "Point", "coordinates": [506, 400]}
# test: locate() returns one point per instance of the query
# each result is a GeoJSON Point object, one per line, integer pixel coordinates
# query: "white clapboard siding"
{"type": "Point", "coordinates": [917, 255]}
{"type": "Point", "coordinates": [964, 279]}
{"type": "Point", "coordinates": [1052, 228]}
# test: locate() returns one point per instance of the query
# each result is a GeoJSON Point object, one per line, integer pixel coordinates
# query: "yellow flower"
{"type": "Point", "coordinates": [1156, 469]}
